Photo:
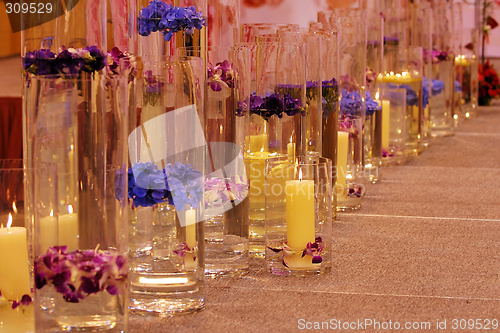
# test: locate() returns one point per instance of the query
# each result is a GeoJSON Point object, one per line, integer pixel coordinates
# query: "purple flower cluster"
{"type": "Point", "coordinates": [436, 56]}
{"type": "Point", "coordinates": [79, 273]}
{"type": "Point", "coordinates": [219, 191]}
{"type": "Point", "coordinates": [159, 16]}
{"type": "Point", "coordinates": [68, 62]}
{"type": "Point", "coordinates": [220, 75]}
{"type": "Point", "coordinates": [272, 104]}
{"type": "Point", "coordinates": [351, 102]}
{"type": "Point", "coordinates": [115, 57]}
{"type": "Point", "coordinates": [179, 184]}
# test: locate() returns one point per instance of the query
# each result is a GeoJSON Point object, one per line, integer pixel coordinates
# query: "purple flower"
{"type": "Point", "coordinates": [25, 300]}
{"type": "Point", "coordinates": [220, 75]}
{"type": "Point", "coordinates": [220, 191]}
{"type": "Point", "coordinates": [80, 273]}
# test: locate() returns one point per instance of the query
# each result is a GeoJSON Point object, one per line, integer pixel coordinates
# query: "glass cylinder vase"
{"type": "Point", "coordinates": [226, 183]}
{"type": "Point", "coordinates": [277, 116]}
{"type": "Point", "coordinates": [76, 163]}
{"type": "Point", "coordinates": [298, 215]}
{"type": "Point", "coordinates": [352, 90]}
{"type": "Point", "coordinates": [167, 150]}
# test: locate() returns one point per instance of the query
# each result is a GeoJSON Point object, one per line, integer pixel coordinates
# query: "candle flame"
{"type": "Point", "coordinates": [51, 212]}
{"type": "Point", "coordinates": [376, 95]}
{"type": "Point", "coordinates": [9, 221]}
{"type": "Point", "coordinates": [70, 209]}
{"type": "Point", "coordinates": [14, 208]}
{"type": "Point", "coordinates": [300, 174]}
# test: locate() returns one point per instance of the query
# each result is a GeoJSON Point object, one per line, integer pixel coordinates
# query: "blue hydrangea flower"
{"type": "Point", "coordinates": [371, 105]}
{"type": "Point", "coordinates": [158, 16]}
{"type": "Point", "coordinates": [350, 102]}
{"type": "Point", "coordinates": [437, 87]}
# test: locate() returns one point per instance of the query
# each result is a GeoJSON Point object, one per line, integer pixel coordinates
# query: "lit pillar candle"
{"type": "Point", "coordinates": [258, 142]}
{"type": "Point", "coordinates": [191, 228]}
{"type": "Point", "coordinates": [290, 149]}
{"type": "Point", "coordinates": [386, 120]}
{"type": "Point", "coordinates": [14, 262]}
{"type": "Point", "coordinates": [47, 233]}
{"type": "Point", "coordinates": [68, 229]}
{"type": "Point", "coordinates": [189, 258]}
{"type": "Point", "coordinates": [341, 172]}
{"type": "Point", "coordinates": [256, 163]}
{"type": "Point", "coordinates": [300, 221]}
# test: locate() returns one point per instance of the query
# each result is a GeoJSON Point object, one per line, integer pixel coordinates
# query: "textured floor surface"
{"type": "Point", "coordinates": [423, 249]}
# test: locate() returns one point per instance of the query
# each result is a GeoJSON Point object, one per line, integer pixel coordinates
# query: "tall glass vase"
{"type": "Point", "coordinates": [442, 99]}
{"type": "Point", "coordinates": [167, 150]}
{"type": "Point", "coordinates": [352, 73]}
{"type": "Point", "coordinates": [76, 187]}
{"type": "Point", "coordinates": [276, 115]}
{"type": "Point", "coordinates": [226, 183]}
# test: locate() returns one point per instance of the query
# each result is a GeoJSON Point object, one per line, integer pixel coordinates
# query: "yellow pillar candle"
{"type": "Point", "coordinates": [290, 149]}
{"type": "Point", "coordinates": [341, 171]}
{"type": "Point", "coordinates": [68, 231]}
{"type": "Point", "coordinates": [14, 262]}
{"type": "Point", "coordinates": [190, 261]}
{"type": "Point", "coordinates": [191, 228]}
{"type": "Point", "coordinates": [259, 143]}
{"type": "Point", "coordinates": [300, 220]}
{"type": "Point", "coordinates": [47, 233]}
{"type": "Point", "coordinates": [256, 163]}
{"type": "Point", "coordinates": [386, 120]}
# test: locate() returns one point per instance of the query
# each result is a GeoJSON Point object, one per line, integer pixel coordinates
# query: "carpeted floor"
{"type": "Point", "coordinates": [423, 249]}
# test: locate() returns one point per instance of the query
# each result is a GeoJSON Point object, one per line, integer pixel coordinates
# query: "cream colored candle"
{"type": "Point", "coordinates": [259, 143]}
{"type": "Point", "coordinates": [290, 149]}
{"type": "Point", "coordinates": [68, 229]}
{"type": "Point", "coordinates": [191, 228]}
{"type": "Point", "coordinates": [386, 120]}
{"type": "Point", "coordinates": [190, 261]}
{"type": "Point", "coordinates": [341, 172]}
{"type": "Point", "coordinates": [300, 221]}
{"type": "Point", "coordinates": [14, 262]}
{"type": "Point", "coordinates": [47, 233]}
{"type": "Point", "coordinates": [256, 163]}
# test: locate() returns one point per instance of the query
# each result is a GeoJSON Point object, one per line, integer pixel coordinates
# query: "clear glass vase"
{"type": "Point", "coordinates": [298, 215]}
{"type": "Point", "coordinates": [277, 116]}
{"type": "Point", "coordinates": [167, 150]}
{"type": "Point", "coordinates": [226, 183]}
{"type": "Point", "coordinates": [352, 113]}
{"type": "Point", "coordinates": [75, 164]}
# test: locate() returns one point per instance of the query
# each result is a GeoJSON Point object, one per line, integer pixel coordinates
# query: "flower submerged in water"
{"type": "Point", "coordinates": [78, 274]}
{"type": "Point", "coordinates": [179, 184]}
{"type": "Point", "coordinates": [221, 75]}
{"type": "Point", "coordinates": [312, 250]}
